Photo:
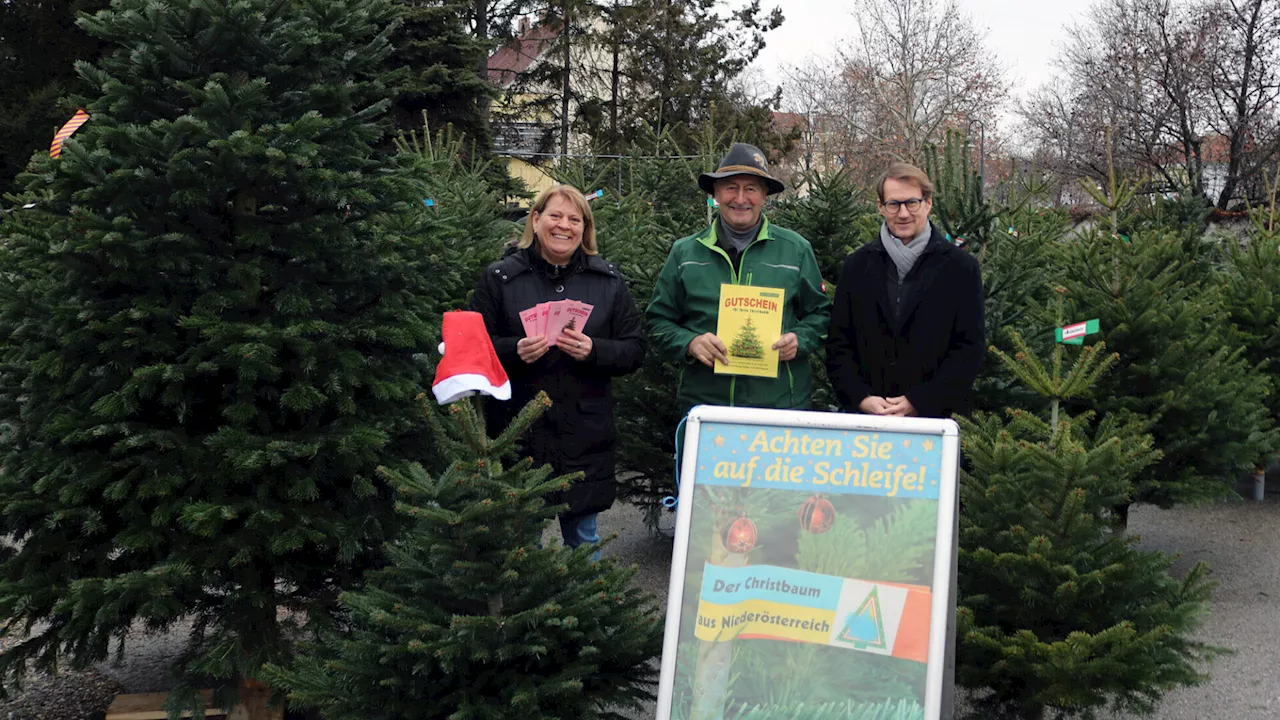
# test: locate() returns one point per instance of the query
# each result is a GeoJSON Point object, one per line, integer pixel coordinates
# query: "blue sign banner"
{"type": "Point", "coordinates": [824, 460]}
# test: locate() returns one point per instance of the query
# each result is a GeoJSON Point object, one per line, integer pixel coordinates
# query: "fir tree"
{"type": "Point", "coordinates": [747, 343]}
{"type": "Point", "coordinates": [1009, 240]}
{"type": "Point", "coordinates": [662, 202]}
{"type": "Point", "coordinates": [209, 334]}
{"type": "Point", "coordinates": [960, 205]}
{"type": "Point", "coordinates": [1179, 363]}
{"type": "Point", "coordinates": [39, 47]}
{"type": "Point", "coordinates": [473, 619]}
{"type": "Point", "coordinates": [455, 200]}
{"type": "Point", "coordinates": [437, 69]}
{"type": "Point", "coordinates": [1251, 291]}
{"type": "Point", "coordinates": [834, 216]}
{"type": "Point", "coordinates": [684, 60]}
{"type": "Point", "coordinates": [1059, 616]}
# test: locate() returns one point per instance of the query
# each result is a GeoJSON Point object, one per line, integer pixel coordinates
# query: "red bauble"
{"type": "Point", "coordinates": [817, 515]}
{"type": "Point", "coordinates": [740, 535]}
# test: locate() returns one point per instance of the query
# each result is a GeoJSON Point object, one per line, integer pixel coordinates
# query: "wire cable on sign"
{"type": "Point", "coordinates": [669, 502]}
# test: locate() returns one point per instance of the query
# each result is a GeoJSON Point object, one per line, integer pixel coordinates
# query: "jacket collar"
{"type": "Point", "coordinates": [708, 237]}
{"type": "Point", "coordinates": [922, 275]}
{"type": "Point", "coordinates": [515, 261]}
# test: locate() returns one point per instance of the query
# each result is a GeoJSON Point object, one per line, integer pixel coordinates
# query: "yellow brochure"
{"type": "Point", "coordinates": [750, 323]}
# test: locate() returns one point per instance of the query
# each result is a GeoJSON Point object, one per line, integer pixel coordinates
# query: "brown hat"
{"type": "Point", "coordinates": [742, 159]}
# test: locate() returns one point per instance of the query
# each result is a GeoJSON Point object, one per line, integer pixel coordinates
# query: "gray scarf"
{"type": "Point", "coordinates": [904, 256]}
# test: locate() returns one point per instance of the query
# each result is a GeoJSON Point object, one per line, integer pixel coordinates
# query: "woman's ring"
{"type": "Point", "coordinates": [579, 343]}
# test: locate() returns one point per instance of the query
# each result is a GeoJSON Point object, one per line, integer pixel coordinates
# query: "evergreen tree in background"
{"type": "Point", "coordinates": [1009, 240]}
{"type": "Point", "coordinates": [1058, 615]}
{"type": "Point", "coordinates": [685, 60]}
{"type": "Point", "coordinates": [1180, 365]}
{"type": "Point", "coordinates": [39, 47]}
{"type": "Point", "coordinates": [472, 618]}
{"type": "Point", "coordinates": [960, 205]}
{"type": "Point", "coordinates": [208, 339]}
{"type": "Point", "coordinates": [1251, 290]}
{"type": "Point", "coordinates": [660, 204]}
{"type": "Point", "coordinates": [835, 216]}
{"type": "Point", "coordinates": [437, 69]}
{"type": "Point", "coordinates": [626, 72]}
{"type": "Point", "coordinates": [459, 222]}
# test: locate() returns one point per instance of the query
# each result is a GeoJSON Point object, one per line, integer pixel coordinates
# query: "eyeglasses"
{"type": "Point", "coordinates": [911, 205]}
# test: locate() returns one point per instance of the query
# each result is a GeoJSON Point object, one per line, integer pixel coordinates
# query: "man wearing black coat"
{"type": "Point", "coordinates": [906, 335]}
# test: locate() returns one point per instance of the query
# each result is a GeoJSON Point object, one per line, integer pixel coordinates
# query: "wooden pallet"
{"type": "Point", "coordinates": [254, 705]}
{"type": "Point", "coordinates": [149, 706]}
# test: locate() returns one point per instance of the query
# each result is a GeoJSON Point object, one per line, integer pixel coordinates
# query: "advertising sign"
{"type": "Point", "coordinates": [811, 575]}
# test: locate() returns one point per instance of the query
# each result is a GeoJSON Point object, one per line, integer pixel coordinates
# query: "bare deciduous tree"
{"type": "Point", "coordinates": [1186, 88]}
{"type": "Point", "coordinates": [916, 68]}
{"type": "Point", "coordinates": [1246, 90]}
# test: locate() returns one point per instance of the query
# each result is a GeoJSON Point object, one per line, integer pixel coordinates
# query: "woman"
{"type": "Point", "coordinates": [556, 259]}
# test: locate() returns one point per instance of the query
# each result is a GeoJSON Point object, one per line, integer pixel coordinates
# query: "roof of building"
{"type": "Point", "coordinates": [513, 58]}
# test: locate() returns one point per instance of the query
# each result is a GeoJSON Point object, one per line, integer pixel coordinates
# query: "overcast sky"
{"type": "Point", "coordinates": [1023, 33]}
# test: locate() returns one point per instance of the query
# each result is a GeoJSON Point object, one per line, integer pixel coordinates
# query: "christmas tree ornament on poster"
{"type": "Point", "coordinates": [740, 535]}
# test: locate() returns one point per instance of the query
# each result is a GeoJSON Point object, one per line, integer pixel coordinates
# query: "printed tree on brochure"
{"type": "Point", "coordinates": [747, 344]}
{"type": "Point", "coordinates": [472, 618]}
{"type": "Point", "coordinates": [210, 325]}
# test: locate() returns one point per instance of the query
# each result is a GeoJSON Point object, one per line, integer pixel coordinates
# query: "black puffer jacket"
{"type": "Point", "coordinates": [578, 431]}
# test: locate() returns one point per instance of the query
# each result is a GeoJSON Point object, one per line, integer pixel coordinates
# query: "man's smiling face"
{"type": "Point", "coordinates": [905, 223]}
{"type": "Point", "coordinates": [741, 200]}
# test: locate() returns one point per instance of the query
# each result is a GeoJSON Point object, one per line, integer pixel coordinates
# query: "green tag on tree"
{"type": "Point", "coordinates": [1074, 334]}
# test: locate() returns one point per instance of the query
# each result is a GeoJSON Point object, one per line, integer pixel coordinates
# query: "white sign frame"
{"type": "Point", "coordinates": [941, 602]}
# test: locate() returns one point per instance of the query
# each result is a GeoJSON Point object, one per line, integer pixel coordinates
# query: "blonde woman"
{"type": "Point", "coordinates": [556, 259]}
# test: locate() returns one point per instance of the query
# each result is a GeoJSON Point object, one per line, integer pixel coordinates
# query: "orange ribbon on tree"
{"type": "Point", "coordinates": [81, 117]}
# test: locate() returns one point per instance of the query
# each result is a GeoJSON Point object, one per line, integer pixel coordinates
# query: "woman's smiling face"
{"type": "Point", "coordinates": [559, 230]}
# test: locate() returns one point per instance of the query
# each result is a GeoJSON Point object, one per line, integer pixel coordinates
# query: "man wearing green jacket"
{"type": "Point", "coordinates": [740, 247]}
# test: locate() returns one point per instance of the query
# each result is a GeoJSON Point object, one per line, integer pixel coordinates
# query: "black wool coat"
{"type": "Point", "coordinates": [931, 351]}
{"type": "Point", "coordinates": [578, 432]}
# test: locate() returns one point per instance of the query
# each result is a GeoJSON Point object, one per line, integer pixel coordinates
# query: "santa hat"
{"type": "Point", "coordinates": [470, 364]}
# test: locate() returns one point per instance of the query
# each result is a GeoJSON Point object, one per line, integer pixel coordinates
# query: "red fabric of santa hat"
{"type": "Point", "coordinates": [470, 364]}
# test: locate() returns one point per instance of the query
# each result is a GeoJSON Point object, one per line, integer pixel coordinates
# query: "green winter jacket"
{"type": "Point", "coordinates": [686, 302]}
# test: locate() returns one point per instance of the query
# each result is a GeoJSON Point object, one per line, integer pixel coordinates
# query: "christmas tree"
{"type": "Point", "coordinates": [960, 205]}
{"type": "Point", "coordinates": [1057, 613]}
{"type": "Point", "coordinates": [836, 216]}
{"type": "Point", "coordinates": [210, 326]}
{"type": "Point", "coordinates": [1251, 291]}
{"type": "Point", "coordinates": [747, 343]}
{"type": "Point", "coordinates": [1181, 364]}
{"type": "Point", "coordinates": [472, 618]}
{"type": "Point", "coordinates": [453, 199]}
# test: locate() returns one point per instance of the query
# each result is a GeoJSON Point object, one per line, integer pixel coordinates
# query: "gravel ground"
{"type": "Point", "coordinates": [1240, 541]}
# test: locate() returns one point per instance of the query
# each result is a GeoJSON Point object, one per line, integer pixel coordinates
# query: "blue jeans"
{"type": "Point", "coordinates": [579, 530]}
